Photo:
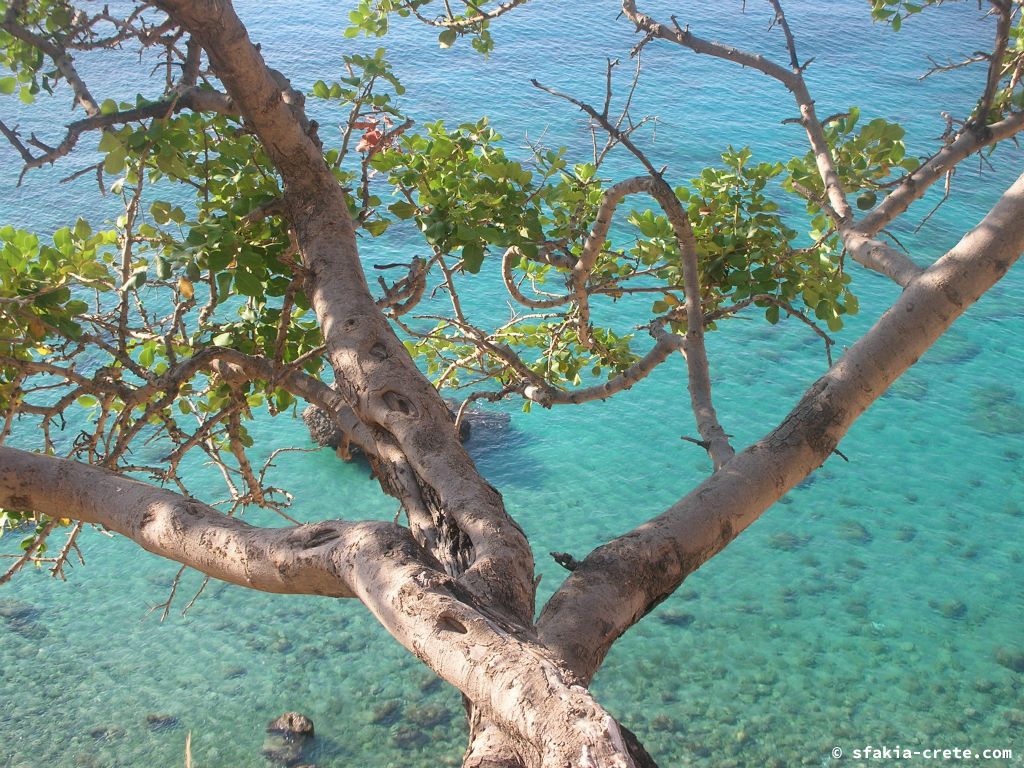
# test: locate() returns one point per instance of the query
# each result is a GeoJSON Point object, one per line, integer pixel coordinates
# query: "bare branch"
{"type": "Point", "coordinates": [37, 542]}
{"type": "Point", "coordinates": [451, 22]}
{"type": "Point", "coordinates": [1004, 13]}
{"type": "Point", "coordinates": [197, 99]}
{"type": "Point", "coordinates": [547, 396]}
{"type": "Point", "coordinates": [869, 252]}
{"type": "Point", "coordinates": [780, 19]}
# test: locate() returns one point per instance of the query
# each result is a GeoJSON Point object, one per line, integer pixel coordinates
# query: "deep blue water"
{"type": "Point", "coordinates": [872, 605]}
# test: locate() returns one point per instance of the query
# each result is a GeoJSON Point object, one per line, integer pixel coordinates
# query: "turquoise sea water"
{"type": "Point", "coordinates": [873, 605]}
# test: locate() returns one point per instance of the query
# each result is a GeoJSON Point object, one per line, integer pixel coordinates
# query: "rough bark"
{"type": "Point", "coordinates": [426, 465]}
{"type": "Point", "coordinates": [510, 678]}
{"type": "Point", "coordinates": [452, 511]}
{"type": "Point", "coordinates": [286, 561]}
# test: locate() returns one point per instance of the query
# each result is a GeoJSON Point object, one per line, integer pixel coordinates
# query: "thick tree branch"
{"type": "Point", "coordinates": [286, 561]}
{"type": "Point", "coordinates": [512, 256]}
{"type": "Point", "coordinates": [594, 245]}
{"type": "Point", "coordinates": [699, 380]}
{"type": "Point", "coordinates": [611, 590]}
{"type": "Point", "coordinates": [698, 370]}
{"type": "Point", "coordinates": [376, 376]}
{"type": "Point", "coordinates": [504, 672]}
{"type": "Point", "coordinates": [663, 348]}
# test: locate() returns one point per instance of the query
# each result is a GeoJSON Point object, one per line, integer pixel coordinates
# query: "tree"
{"type": "Point", "coordinates": [175, 325]}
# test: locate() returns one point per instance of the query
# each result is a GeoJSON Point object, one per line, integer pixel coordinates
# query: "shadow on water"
{"type": "Point", "coordinates": [501, 451]}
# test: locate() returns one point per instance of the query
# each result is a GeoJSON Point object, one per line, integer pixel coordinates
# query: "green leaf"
{"type": "Point", "coordinates": [447, 38]}
{"type": "Point", "coordinates": [115, 160]}
{"type": "Point", "coordinates": [163, 269]}
{"type": "Point", "coordinates": [473, 257]}
{"type": "Point", "coordinates": [376, 227]}
{"type": "Point", "coordinates": [403, 210]}
{"type": "Point", "coordinates": [136, 281]}
{"type": "Point", "coordinates": [7, 85]}
{"type": "Point", "coordinates": [247, 283]}
{"type": "Point", "coordinates": [109, 141]}
{"type": "Point", "coordinates": [161, 212]}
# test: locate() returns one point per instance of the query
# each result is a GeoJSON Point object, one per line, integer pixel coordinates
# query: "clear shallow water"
{"type": "Point", "coordinates": [867, 607]}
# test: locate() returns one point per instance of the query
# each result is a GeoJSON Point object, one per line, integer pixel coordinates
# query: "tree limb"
{"type": "Point", "coordinates": [914, 186]}
{"type": "Point", "coordinates": [508, 675]}
{"type": "Point", "coordinates": [620, 582]}
{"type": "Point", "coordinates": [285, 561]}
{"type": "Point", "coordinates": [666, 344]}
{"type": "Point", "coordinates": [375, 374]}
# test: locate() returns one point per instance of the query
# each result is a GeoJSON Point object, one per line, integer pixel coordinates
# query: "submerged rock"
{"type": "Point", "coordinates": [953, 609]}
{"type": "Point", "coordinates": [286, 739]}
{"type": "Point", "coordinates": [292, 723]}
{"type": "Point", "coordinates": [906, 533]}
{"type": "Point", "coordinates": [106, 732]}
{"type": "Point", "coordinates": [676, 618]}
{"type": "Point", "coordinates": [908, 388]}
{"type": "Point", "coordinates": [162, 722]}
{"type": "Point", "coordinates": [996, 410]}
{"type": "Point", "coordinates": [787, 541]}
{"type": "Point", "coordinates": [407, 737]}
{"type": "Point", "coordinates": [663, 723]}
{"type": "Point", "coordinates": [15, 610]}
{"type": "Point", "coordinates": [21, 618]}
{"type": "Point", "coordinates": [1011, 658]}
{"type": "Point", "coordinates": [428, 715]}
{"type": "Point", "coordinates": [952, 349]}
{"type": "Point", "coordinates": [387, 713]}
{"type": "Point", "coordinates": [852, 531]}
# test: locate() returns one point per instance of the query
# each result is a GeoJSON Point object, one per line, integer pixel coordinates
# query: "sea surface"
{"type": "Point", "coordinates": [880, 603]}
